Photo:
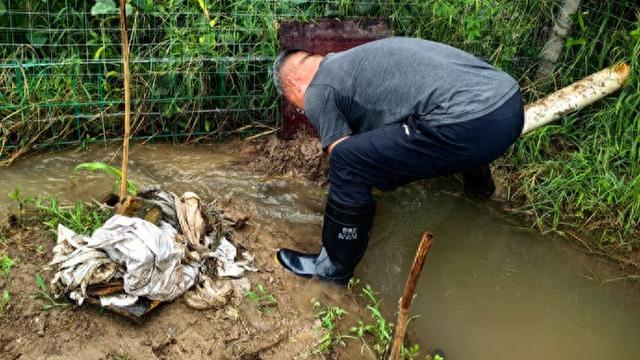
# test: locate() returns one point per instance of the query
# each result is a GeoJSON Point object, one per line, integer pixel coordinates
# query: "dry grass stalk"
{"type": "Point", "coordinates": [407, 295]}
{"type": "Point", "coordinates": [127, 97]}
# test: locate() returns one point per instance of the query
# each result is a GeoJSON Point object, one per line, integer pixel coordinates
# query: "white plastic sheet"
{"type": "Point", "coordinates": [149, 259]}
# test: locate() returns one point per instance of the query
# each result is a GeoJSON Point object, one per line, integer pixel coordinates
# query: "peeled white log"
{"type": "Point", "coordinates": [575, 96]}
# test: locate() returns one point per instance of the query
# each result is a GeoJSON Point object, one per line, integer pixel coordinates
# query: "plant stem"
{"type": "Point", "coordinates": [407, 295]}
{"type": "Point", "coordinates": [124, 39]}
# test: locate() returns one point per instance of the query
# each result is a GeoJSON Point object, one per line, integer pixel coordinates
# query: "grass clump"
{"type": "Point", "coordinates": [6, 264]}
{"type": "Point", "coordinates": [263, 299]}
{"type": "Point", "coordinates": [79, 217]}
{"type": "Point", "coordinates": [329, 316]}
{"type": "Point", "coordinates": [583, 173]}
{"type": "Point", "coordinates": [4, 301]}
{"type": "Point", "coordinates": [374, 332]}
{"type": "Point", "coordinates": [42, 293]}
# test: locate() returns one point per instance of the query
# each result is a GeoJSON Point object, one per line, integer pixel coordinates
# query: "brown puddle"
{"type": "Point", "coordinates": [489, 289]}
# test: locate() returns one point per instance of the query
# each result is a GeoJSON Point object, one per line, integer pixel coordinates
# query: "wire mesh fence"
{"type": "Point", "coordinates": [200, 68]}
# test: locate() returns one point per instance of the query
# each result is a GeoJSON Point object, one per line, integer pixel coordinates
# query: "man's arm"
{"type": "Point", "coordinates": [326, 116]}
{"type": "Point", "coordinates": [330, 147]}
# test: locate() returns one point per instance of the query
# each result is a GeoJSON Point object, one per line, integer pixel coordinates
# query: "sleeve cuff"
{"type": "Point", "coordinates": [326, 141]}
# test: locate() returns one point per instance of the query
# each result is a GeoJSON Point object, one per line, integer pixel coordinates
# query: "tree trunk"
{"type": "Point", "coordinates": [553, 48]}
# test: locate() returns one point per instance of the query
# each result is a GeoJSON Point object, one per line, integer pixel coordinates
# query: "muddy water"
{"type": "Point", "coordinates": [490, 289]}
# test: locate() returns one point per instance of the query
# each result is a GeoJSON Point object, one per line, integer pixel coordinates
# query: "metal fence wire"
{"type": "Point", "coordinates": [200, 68]}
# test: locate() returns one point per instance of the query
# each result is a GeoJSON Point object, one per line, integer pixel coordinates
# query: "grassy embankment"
{"type": "Point", "coordinates": [200, 70]}
{"type": "Point", "coordinates": [582, 174]}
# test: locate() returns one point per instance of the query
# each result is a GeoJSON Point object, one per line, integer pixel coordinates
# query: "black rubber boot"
{"type": "Point", "coordinates": [345, 235]}
{"type": "Point", "coordinates": [478, 182]}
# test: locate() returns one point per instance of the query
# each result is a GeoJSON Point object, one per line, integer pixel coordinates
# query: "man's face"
{"type": "Point", "coordinates": [294, 73]}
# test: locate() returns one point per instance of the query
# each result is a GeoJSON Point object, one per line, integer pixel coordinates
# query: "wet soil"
{"type": "Point", "coordinates": [301, 156]}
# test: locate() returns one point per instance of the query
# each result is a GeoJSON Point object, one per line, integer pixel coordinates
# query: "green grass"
{"type": "Point", "coordinates": [329, 316]}
{"type": "Point", "coordinates": [80, 217]}
{"type": "Point", "coordinates": [6, 264]}
{"type": "Point", "coordinates": [262, 299]}
{"type": "Point", "coordinates": [373, 333]}
{"type": "Point", "coordinates": [61, 78]}
{"type": "Point", "coordinates": [376, 332]}
{"type": "Point", "coordinates": [583, 173]}
{"type": "Point", "coordinates": [42, 293]}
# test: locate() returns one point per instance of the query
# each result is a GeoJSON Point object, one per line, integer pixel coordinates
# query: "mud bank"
{"type": "Point", "coordinates": [174, 331]}
{"type": "Point", "coordinates": [302, 156]}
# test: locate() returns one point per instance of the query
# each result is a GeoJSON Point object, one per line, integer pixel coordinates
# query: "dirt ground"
{"type": "Point", "coordinates": [174, 331]}
{"type": "Point", "coordinates": [302, 157]}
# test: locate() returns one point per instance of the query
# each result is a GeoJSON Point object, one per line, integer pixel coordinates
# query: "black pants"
{"type": "Point", "coordinates": [400, 153]}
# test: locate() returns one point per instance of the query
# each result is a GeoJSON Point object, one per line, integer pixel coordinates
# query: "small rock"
{"type": "Point", "coordinates": [145, 342]}
{"type": "Point", "coordinates": [39, 325]}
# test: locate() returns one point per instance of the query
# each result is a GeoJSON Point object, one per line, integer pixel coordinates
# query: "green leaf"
{"type": "Point", "coordinates": [99, 166]}
{"type": "Point", "coordinates": [111, 74]}
{"type": "Point", "coordinates": [7, 263]}
{"type": "Point", "coordinates": [37, 39]}
{"type": "Point", "coordinates": [3, 8]}
{"type": "Point", "coordinates": [104, 7]}
{"type": "Point", "coordinates": [109, 170]}
{"type": "Point", "coordinates": [40, 283]}
{"type": "Point", "coordinates": [15, 195]}
{"type": "Point", "coordinates": [145, 5]}
{"type": "Point", "coordinates": [99, 52]}
{"type": "Point", "coordinates": [581, 22]}
{"type": "Point", "coordinates": [6, 297]}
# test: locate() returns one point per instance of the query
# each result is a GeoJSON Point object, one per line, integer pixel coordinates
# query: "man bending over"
{"type": "Point", "coordinates": [390, 112]}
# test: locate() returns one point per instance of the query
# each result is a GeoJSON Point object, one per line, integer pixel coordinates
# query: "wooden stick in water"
{"type": "Point", "coordinates": [407, 295]}
{"type": "Point", "coordinates": [124, 39]}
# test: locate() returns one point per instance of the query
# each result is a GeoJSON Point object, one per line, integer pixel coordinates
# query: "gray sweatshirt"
{"type": "Point", "coordinates": [387, 81]}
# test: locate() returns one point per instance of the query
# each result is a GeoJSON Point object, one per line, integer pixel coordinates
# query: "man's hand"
{"type": "Point", "coordinates": [330, 147]}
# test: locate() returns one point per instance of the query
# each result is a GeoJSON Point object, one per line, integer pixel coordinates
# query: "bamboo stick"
{"type": "Point", "coordinates": [407, 295]}
{"type": "Point", "coordinates": [124, 40]}
{"type": "Point", "coordinates": [575, 96]}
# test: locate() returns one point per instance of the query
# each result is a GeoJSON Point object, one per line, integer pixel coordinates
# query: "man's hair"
{"type": "Point", "coordinates": [277, 67]}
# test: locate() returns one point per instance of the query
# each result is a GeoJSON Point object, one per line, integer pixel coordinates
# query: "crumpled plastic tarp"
{"type": "Point", "coordinates": [157, 262]}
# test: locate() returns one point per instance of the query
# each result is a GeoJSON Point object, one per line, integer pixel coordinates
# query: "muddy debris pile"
{"type": "Point", "coordinates": [155, 248]}
{"type": "Point", "coordinates": [301, 156]}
